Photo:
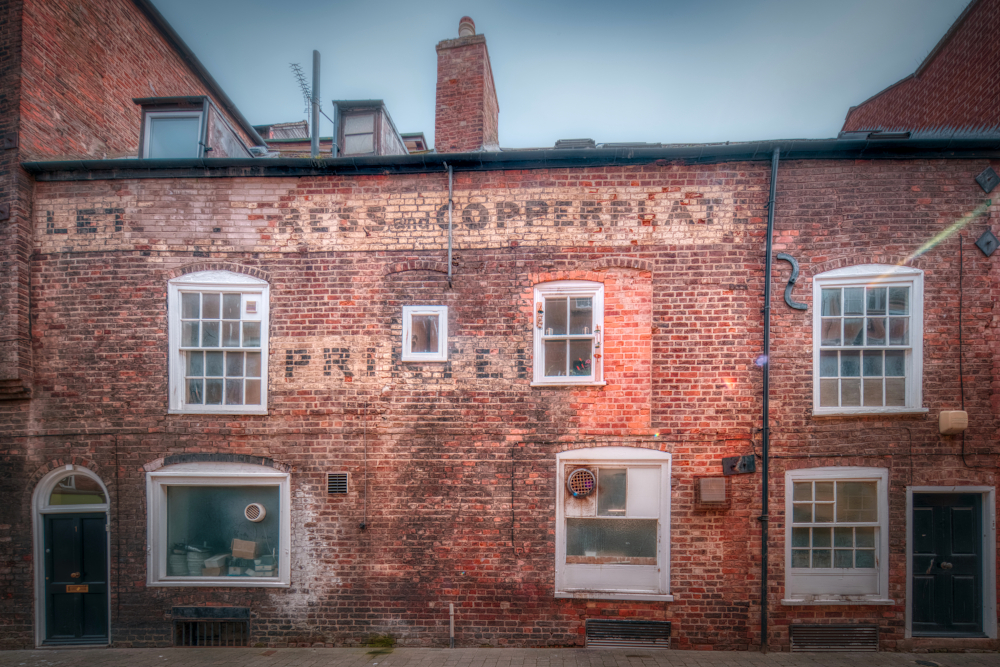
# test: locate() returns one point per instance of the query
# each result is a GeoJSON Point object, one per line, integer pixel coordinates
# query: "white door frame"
{"type": "Point", "coordinates": [989, 538]}
{"type": "Point", "coordinates": [40, 507]}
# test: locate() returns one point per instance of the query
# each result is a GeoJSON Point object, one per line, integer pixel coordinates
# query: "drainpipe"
{"type": "Point", "coordinates": [451, 205]}
{"type": "Point", "coordinates": [765, 430]}
{"type": "Point", "coordinates": [315, 107]}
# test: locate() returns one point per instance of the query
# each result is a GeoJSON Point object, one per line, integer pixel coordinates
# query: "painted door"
{"type": "Point", "coordinates": [76, 579]}
{"type": "Point", "coordinates": [947, 565]}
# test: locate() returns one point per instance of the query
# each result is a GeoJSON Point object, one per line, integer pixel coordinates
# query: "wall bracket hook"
{"type": "Point", "coordinates": [791, 282]}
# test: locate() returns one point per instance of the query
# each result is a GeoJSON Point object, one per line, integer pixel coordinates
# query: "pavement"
{"type": "Point", "coordinates": [473, 657]}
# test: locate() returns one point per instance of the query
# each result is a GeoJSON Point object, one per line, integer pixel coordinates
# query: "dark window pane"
{"type": "Point", "coordinates": [210, 334]}
{"type": "Point", "coordinates": [854, 331]}
{"type": "Point", "coordinates": [234, 364]}
{"type": "Point", "coordinates": [828, 364]}
{"type": "Point", "coordinates": [830, 332]}
{"type": "Point", "coordinates": [831, 302]}
{"type": "Point", "coordinates": [895, 363]}
{"type": "Point", "coordinates": [895, 391]}
{"type": "Point", "coordinates": [253, 364]}
{"type": "Point", "coordinates": [213, 392]}
{"type": "Point", "coordinates": [821, 558]}
{"type": "Point", "coordinates": [872, 365]}
{"type": "Point", "coordinates": [230, 334]}
{"type": "Point", "coordinates": [821, 537]}
{"type": "Point", "coordinates": [234, 392]}
{"type": "Point", "coordinates": [899, 300]}
{"type": "Point", "coordinates": [843, 537]}
{"type": "Point", "coordinates": [800, 537]}
{"type": "Point", "coordinates": [195, 363]}
{"type": "Point", "coordinates": [189, 334]}
{"type": "Point", "coordinates": [609, 538]}
{"type": "Point", "coordinates": [251, 334]}
{"type": "Point", "coordinates": [802, 491]}
{"type": "Point", "coordinates": [253, 392]}
{"type": "Point", "coordinates": [865, 537]}
{"type": "Point", "coordinates": [189, 305]}
{"type": "Point", "coordinates": [194, 392]}
{"type": "Point", "coordinates": [210, 306]}
{"type": "Point", "coordinates": [876, 301]}
{"type": "Point", "coordinates": [555, 317]}
{"type": "Point", "coordinates": [854, 301]}
{"type": "Point", "coordinates": [876, 331]}
{"type": "Point", "coordinates": [828, 393]}
{"type": "Point", "coordinates": [555, 358]}
{"type": "Point", "coordinates": [864, 558]}
{"type": "Point", "coordinates": [580, 360]}
{"type": "Point", "coordinates": [850, 364]}
{"type": "Point", "coordinates": [899, 331]}
{"type": "Point", "coordinates": [843, 558]}
{"type": "Point", "coordinates": [824, 491]}
{"type": "Point", "coordinates": [230, 306]}
{"type": "Point", "coordinates": [611, 491]}
{"type": "Point", "coordinates": [850, 393]}
{"type": "Point", "coordinates": [802, 513]}
{"type": "Point", "coordinates": [424, 334]}
{"type": "Point", "coordinates": [581, 315]}
{"type": "Point", "coordinates": [800, 558]}
{"type": "Point", "coordinates": [213, 364]}
{"type": "Point", "coordinates": [823, 512]}
{"type": "Point", "coordinates": [873, 392]}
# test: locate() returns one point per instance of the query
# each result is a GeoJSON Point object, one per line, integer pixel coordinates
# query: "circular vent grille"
{"type": "Point", "coordinates": [255, 512]}
{"type": "Point", "coordinates": [581, 483]}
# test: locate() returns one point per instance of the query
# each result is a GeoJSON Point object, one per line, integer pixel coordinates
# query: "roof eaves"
{"type": "Point", "coordinates": [169, 34]}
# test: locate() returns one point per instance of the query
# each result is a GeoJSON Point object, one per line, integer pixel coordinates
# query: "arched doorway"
{"type": "Point", "coordinates": [72, 540]}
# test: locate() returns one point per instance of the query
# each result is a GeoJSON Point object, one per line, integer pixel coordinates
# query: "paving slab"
{"type": "Point", "coordinates": [473, 657]}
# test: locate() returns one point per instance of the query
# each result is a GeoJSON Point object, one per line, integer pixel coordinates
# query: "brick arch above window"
{"type": "Point", "coordinates": [252, 271]}
{"type": "Point", "coordinates": [812, 270]}
{"type": "Point", "coordinates": [632, 263]}
{"type": "Point", "coordinates": [414, 265]}
{"type": "Point", "coordinates": [221, 457]}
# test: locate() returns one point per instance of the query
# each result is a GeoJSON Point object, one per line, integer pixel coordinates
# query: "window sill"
{"type": "Point", "coordinates": [836, 600]}
{"type": "Point", "coordinates": [568, 384]}
{"type": "Point", "coordinates": [864, 412]}
{"type": "Point", "coordinates": [222, 582]}
{"type": "Point", "coordinates": [189, 411]}
{"type": "Point", "coordinates": [597, 595]}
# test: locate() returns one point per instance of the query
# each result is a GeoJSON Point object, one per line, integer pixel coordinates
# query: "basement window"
{"type": "Point", "coordinates": [425, 333]}
{"type": "Point", "coordinates": [613, 524]}
{"type": "Point", "coordinates": [172, 134]}
{"type": "Point", "coordinates": [218, 524]}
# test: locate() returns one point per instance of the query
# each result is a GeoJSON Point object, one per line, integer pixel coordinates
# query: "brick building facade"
{"type": "Point", "coordinates": [399, 484]}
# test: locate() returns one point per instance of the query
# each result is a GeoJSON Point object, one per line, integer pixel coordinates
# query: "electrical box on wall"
{"type": "Point", "coordinates": [738, 465]}
{"type": "Point", "coordinates": [952, 422]}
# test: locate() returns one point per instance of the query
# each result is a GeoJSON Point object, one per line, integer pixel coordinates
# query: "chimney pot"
{"type": "Point", "coordinates": [466, 27]}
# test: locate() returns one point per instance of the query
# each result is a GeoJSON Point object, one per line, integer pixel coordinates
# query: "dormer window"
{"type": "Point", "coordinates": [172, 134]}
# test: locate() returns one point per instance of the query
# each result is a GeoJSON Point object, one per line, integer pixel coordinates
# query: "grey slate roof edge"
{"type": "Point", "coordinates": [947, 147]}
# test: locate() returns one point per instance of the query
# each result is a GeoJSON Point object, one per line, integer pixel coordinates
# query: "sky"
{"type": "Point", "coordinates": [609, 70]}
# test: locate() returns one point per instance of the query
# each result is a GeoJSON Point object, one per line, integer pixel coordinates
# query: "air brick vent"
{"type": "Point", "coordinates": [211, 626]}
{"type": "Point", "coordinates": [834, 638]}
{"type": "Point", "coordinates": [628, 634]}
{"type": "Point", "coordinates": [336, 483]}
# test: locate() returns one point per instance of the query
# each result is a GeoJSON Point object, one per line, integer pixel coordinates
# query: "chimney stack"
{"type": "Point", "coordinates": [467, 110]}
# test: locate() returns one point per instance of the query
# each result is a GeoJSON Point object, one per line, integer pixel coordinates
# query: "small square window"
{"type": "Point", "coordinates": [425, 333]}
{"type": "Point", "coordinates": [172, 134]}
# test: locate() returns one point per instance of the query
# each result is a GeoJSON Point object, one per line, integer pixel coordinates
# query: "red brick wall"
{"type": "Point", "coordinates": [467, 110]}
{"type": "Point", "coordinates": [83, 64]}
{"type": "Point", "coordinates": [959, 88]}
{"type": "Point", "coordinates": [461, 455]}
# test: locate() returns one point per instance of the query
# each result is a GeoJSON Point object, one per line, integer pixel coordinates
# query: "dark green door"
{"type": "Point", "coordinates": [76, 579]}
{"type": "Point", "coordinates": [947, 565]}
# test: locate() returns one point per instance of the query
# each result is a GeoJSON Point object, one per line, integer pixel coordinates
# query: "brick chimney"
{"type": "Point", "coordinates": [467, 109]}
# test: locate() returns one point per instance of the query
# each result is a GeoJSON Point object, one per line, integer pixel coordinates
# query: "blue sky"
{"type": "Point", "coordinates": [715, 70]}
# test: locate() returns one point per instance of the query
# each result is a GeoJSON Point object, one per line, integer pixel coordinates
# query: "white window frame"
{"type": "Point", "coordinates": [839, 586]}
{"type": "Point", "coordinates": [213, 474]}
{"type": "Point", "coordinates": [612, 581]}
{"type": "Point", "coordinates": [442, 314]}
{"type": "Point", "coordinates": [878, 275]}
{"type": "Point", "coordinates": [569, 288]}
{"type": "Point", "coordinates": [147, 129]}
{"type": "Point", "coordinates": [214, 281]}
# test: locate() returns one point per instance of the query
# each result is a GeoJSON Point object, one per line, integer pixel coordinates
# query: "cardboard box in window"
{"type": "Point", "coordinates": [211, 571]}
{"type": "Point", "coordinates": [233, 570]}
{"type": "Point", "coordinates": [244, 549]}
{"type": "Point", "coordinates": [219, 560]}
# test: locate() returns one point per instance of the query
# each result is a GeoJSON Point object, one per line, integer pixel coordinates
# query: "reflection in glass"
{"type": "Point", "coordinates": [189, 305]}
{"type": "Point", "coordinates": [831, 302]}
{"type": "Point", "coordinates": [581, 315]}
{"type": "Point", "coordinates": [611, 490]}
{"type": "Point", "coordinates": [210, 306]}
{"type": "Point", "coordinates": [555, 316]}
{"type": "Point", "coordinates": [77, 490]}
{"type": "Point", "coordinates": [555, 358]}
{"type": "Point", "coordinates": [899, 300]}
{"type": "Point", "coordinates": [830, 332]}
{"type": "Point", "coordinates": [424, 334]}
{"type": "Point", "coordinates": [854, 301]}
{"type": "Point", "coordinates": [230, 306]}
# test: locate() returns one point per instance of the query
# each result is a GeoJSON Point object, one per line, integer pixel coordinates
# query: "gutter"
{"type": "Point", "coordinates": [946, 147]}
{"type": "Point", "coordinates": [187, 55]}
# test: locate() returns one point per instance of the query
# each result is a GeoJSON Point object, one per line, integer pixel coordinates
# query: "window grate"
{"type": "Point", "coordinates": [336, 482]}
{"type": "Point", "coordinates": [627, 634]}
{"type": "Point", "coordinates": [211, 633]}
{"type": "Point", "coordinates": [834, 638]}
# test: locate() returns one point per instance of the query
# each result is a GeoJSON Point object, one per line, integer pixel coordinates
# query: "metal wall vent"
{"type": "Point", "coordinates": [628, 634]}
{"type": "Point", "coordinates": [211, 626]}
{"type": "Point", "coordinates": [336, 482]}
{"type": "Point", "coordinates": [581, 483]}
{"type": "Point", "coordinates": [834, 638]}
